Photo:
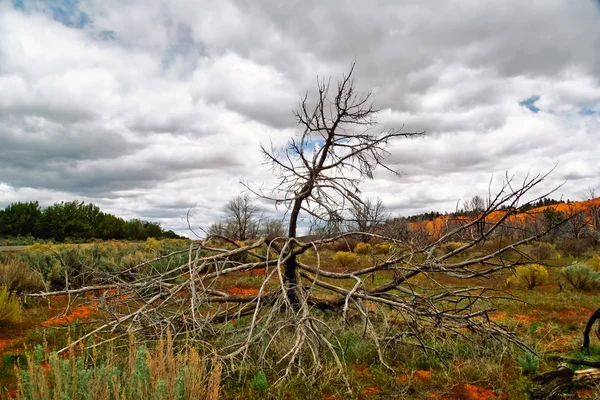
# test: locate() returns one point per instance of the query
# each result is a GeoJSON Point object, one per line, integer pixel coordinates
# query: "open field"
{"type": "Point", "coordinates": [12, 248]}
{"type": "Point", "coordinates": [549, 319]}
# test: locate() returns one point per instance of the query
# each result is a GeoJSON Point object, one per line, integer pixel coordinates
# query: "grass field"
{"type": "Point", "coordinates": [549, 318]}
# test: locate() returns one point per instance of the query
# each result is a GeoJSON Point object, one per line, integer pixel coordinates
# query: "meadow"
{"type": "Point", "coordinates": [546, 304]}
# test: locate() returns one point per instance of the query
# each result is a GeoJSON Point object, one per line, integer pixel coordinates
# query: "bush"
{"type": "Point", "coordinates": [382, 248]}
{"type": "Point", "coordinates": [151, 243]}
{"type": "Point", "coordinates": [529, 276]}
{"type": "Point", "coordinates": [17, 277]}
{"type": "Point", "coordinates": [571, 247]}
{"type": "Point", "coordinates": [345, 258]}
{"type": "Point", "coordinates": [544, 251]}
{"type": "Point", "coordinates": [10, 309]}
{"type": "Point", "coordinates": [362, 248]}
{"type": "Point", "coordinates": [530, 363]}
{"type": "Point", "coordinates": [345, 244]}
{"type": "Point", "coordinates": [581, 277]}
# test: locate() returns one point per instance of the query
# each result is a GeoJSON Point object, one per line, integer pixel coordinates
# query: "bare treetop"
{"type": "Point", "coordinates": [341, 144]}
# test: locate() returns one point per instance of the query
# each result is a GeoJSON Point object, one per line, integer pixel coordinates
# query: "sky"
{"type": "Point", "coordinates": [148, 108]}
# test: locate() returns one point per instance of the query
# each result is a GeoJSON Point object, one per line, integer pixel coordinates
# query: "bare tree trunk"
{"type": "Point", "coordinates": [291, 265]}
{"type": "Point", "coordinates": [588, 328]}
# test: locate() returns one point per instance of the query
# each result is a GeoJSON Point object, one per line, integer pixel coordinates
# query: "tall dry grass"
{"type": "Point", "coordinates": [10, 308]}
{"type": "Point", "coordinates": [159, 374]}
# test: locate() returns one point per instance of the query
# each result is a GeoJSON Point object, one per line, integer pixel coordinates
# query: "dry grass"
{"type": "Point", "coordinates": [10, 309]}
{"type": "Point", "coordinates": [18, 277]}
{"type": "Point", "coordinates": [161, 373]}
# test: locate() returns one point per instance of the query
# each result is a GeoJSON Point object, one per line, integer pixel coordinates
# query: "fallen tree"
{"type": "Point", "coordinates": [295, 298]}
{"type": "Point", "coordinates": [554, 383]}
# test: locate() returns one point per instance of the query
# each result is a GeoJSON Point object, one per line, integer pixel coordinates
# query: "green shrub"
{"type": "Point", "coordinates": [529, 276]}
{"type": "Point", "coordinates": [362, 248]}
{"type": "Point", "coordinates": [530, 363]}
{"type": "Point", "coordinates": [259, 382]}
{"type": "Point", "coordinates": [581, 277]}
{"type": "Point", "coordinates": [10, 309]}
{"type": "Point", "coordinates": [345, 258]}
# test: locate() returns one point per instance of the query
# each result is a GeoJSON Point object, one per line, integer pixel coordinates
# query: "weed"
{"type": "Point", "coordinates": [451, 246]}
{"type": "Point", "coordinates": [159, 374]}
{"type": "Point", "coordinates": [533, 327]}
{"type": "Point", "coordinates": [259, 382]}
{"type": "Point", "coordinates": [529, 362]}
{"type": "Point", "coordinates": [594, 262]}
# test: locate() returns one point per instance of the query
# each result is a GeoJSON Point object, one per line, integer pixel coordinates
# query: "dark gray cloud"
{"type": "Point", "coordinates": [148, 108]}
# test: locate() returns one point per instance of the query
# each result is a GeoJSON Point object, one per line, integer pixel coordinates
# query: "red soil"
{"type": "Point", "coordinates": [4, 343]}
{"type": "Point", "coordinates": [76, 313]}
{"type": "Point", "coordinates": [419, 376]}
{"type": "Point", "coordinates": [254, 272]}
{"type": "Point", "coordinates": [244, 291]}
{"type": "Point", "coordinates": [467, 391]}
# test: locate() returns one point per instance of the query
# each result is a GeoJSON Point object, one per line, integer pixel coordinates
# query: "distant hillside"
{"type": "Point", "coordinates": [586, 214]}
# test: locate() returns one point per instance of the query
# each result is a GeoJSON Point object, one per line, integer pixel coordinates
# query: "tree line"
{"type": "Point", "coordinates": [244, 220]}
{"type": "Point", "coordinates": [74, 220]}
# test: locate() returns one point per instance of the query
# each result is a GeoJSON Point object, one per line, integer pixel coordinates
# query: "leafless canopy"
{"type": "Point", "coordinates": [320, 171]}
{"type": "Point", "coordinates": [242, 219]}
{"type": "Point", "coordinates": [367, 216]}
{"type": "Point", "coordinates": [341, 145]}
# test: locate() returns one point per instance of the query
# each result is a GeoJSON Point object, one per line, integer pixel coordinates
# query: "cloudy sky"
{"type": "Point", "coordinates": [149, 107]}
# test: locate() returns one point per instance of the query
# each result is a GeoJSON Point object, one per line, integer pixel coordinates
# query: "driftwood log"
{"type": "Point", "coordinates": [553, 383]}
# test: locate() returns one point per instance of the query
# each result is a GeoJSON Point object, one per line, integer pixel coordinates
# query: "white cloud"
{"type": "Point", "coordinates": [152, 107]}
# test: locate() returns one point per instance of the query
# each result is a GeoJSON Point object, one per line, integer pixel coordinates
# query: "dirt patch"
{"type": "Point", "coordinates": [418, 376]}
{"type": "Point", "coordinates": [498, 316]}
{"type": "Point", "coordinates": [254, 272]}
{"type": "Point", "coordinates": [5, 343]}
{"type": "Point", "coordinates": [361, 370]}
{"type": "Point", "coordinates": [467, 391]}
{"type": "Point", "coordinates": [244, 291]}
{"type": "Point", "coordinates": [76, 313]}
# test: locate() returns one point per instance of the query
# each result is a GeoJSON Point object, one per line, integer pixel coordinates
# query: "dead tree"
{"type": "Point", "coordinates": [475, 205]}
{"type": "Point", "coordinates": [320, 171]}
{"type": "Point", "coordinates": [367, 216]}
{"type": "Point", "coordinates": [241, 219]}
{"type": "Point", "coordinates": [292, 312]}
